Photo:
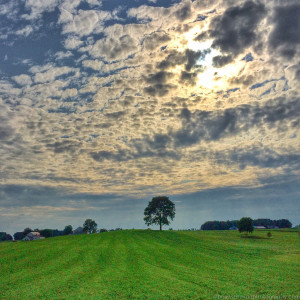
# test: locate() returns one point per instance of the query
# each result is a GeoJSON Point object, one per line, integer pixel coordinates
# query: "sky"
{"type": "Point", "coordinates": [106, 104]}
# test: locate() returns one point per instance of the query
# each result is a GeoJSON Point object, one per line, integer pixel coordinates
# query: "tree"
{"type": "Point", "coordinates": [159, 211]}
{"type": "Point", "coordinates": [68, 230]}
{"type": "Point", "coordinates": [90, 226]}
{"type": "Point", "coordinates": [5, 237]}
{"type": "Point", "coordinates": [19, 236]}
{"type": "Point", "coordinates": [283, 223]}
{"type": "Point", "coordinates": [27, 230]}
{"type": "Point", "coordinates": [46, 233]}
{"type": "Point", "coordinates": [245, 224]}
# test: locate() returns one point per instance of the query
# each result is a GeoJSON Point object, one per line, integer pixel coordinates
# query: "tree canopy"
{"type": "Point", "coordinates": [5, 237]}
{"type": "Point", "coordinates": [159, 211]}
{"type": "Point", "coordinates": [245, 225]}
{"type": "Point", "coordinates": [90, 226]}
{"type": "Point", "coordinates": [68, 230]}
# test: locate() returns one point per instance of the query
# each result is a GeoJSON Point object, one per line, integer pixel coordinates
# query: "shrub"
{"type": "Point", "coordinates": [269, 234]}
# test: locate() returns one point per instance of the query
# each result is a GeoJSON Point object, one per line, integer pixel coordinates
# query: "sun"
{"type": "Point", "coordinates": [211, 77]}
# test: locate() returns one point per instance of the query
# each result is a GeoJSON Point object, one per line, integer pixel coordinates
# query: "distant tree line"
{"type": "Point", "coordinates": [5, 237]}
{"type": "Point", "coordinates": [89, 226]}
{"type": "Point", "coordinates": [225, 225]}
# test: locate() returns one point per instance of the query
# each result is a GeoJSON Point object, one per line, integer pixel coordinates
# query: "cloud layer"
{"type": "Point", "coordinates": [146, 98]}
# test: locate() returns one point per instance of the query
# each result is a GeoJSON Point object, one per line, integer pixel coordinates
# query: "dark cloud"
{"type": "Point", "coordinates": [297, 74]}
{"type": "Point", "coordinates": [67, 145]}
{"type": "Point", "coordinates": [262, 157]}
{"type": "Point", "coordinates": [156, 39]}
{"type": "Point", "coordinates": [235, 30]}
{"type": "Point", "coordinates": [188, 77]}
{"type": "Point", "coordinates": [244, 80]}
{"type": "Point", "coordinates": [102, 155]}
{"type": "Point", "coordinates": [155, 147]}
{"type": "Point", "coordinates": [115, 115]}
{"type": "Point", "coordinates": [159, 77]}
{"type": "Point", "coordinates": [184, 12]}
{"type": "Point", "coordinates": [188, 58]}
{"type": "Point", "coordinates": [173, 59]}
{"type": "Point", "coordinates": [285, 36]}
{"type": "Point", "coordinates": [202, 36]}
{"type": "Point", "coordinates": [158, 89]}
{"type": "Point", "coordinates": [214, 125]}
{"type": "Point", "coordinates": [6, 131]}
{"type": "Point", "coordinates": [158, 84]}
{"type": "Point", "coordinates": [220, 60]}
{"type": "Point", "coordinates": [114, 49]}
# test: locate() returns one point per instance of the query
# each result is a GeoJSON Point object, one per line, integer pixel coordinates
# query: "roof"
{"type": "Point", "coordinates": [78, 229]}
{"type": "Point", "coordinates": [259, 227]}
{"type": "Point", "coordinates": [35, 233]}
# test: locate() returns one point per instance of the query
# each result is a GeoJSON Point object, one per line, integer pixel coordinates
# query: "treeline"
{"type": "Point", "coordinates": [47, 233]}
{"type": "Point", "coordinates": [20, 235]}
{"type": "Point", "coordinates": [226, 225]}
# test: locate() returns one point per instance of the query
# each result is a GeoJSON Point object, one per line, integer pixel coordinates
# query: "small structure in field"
{"type": "Point", "coordinates": [233, 228]}
{"type": "Point", "coordinates": [34, 235]}
{"type": "Point", "coordinates": [78, 230]}
{"type": "Point", "coordinates": [259, 227]}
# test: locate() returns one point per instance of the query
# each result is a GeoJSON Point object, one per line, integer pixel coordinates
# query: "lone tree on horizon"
{"type": "Point", "coordinates": [245, 225]}
{"type": "Point", "coordinates": [90, 226]}
{"type": "Point", "coordinates": [159, 211]}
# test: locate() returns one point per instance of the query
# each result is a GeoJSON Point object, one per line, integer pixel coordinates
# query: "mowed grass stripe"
{"type": "Point", "coordinates": [143, 264]}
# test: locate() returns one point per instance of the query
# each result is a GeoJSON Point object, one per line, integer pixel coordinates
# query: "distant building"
{"type": "Point", "coordinates": [259, 227]}
{"type": "Point", "coordinates": [272, 227]}
{"type": "Point", "coordinates": [31, 236]}
{"type": "Point", "coordinates": [233, 228]}
{"type": "Point", "coordinates": [78, 230]}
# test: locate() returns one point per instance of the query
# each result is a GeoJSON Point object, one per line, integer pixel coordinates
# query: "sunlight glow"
{"type": "Point", "coordinates": [211, 78]}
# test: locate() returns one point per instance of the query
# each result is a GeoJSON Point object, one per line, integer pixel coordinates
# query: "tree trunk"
{"type": "Point", "coordinates": [160, 225]}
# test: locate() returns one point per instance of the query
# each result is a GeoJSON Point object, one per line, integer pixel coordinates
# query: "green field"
{"type": "Point", "coordinates": [145, 264]}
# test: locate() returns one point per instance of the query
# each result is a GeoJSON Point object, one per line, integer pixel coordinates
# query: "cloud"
{"type": "Point", "coordinates": [210, 126]}
{"type": "Point", "coordinates": [84, 22]}
{"type": "Point", "coordinates": [23, 79]}
{"type": "Point", "coordinates": [188, 58]}
{"type": "Point", "coordinates": [52, 73]}
{"type": "Point", "coordinates": [155, 40]}
{"type": "Point", "coordinates": [38, 7]}
{"type": "Point", "coordinates": [285, 36]}
{"type": "Point", "coordinates": [111, 48]}
{"type": "Point", "coordinates": [235, 30]}
{"type": "Point", "coordinates": [93, 64]}
{"type": "Point", "coordinates": [72, 42]}
{"type": "Point", "coordinates": [26, 31]}
{"type": "Point", "coordinates": [259, 156]}
{"type": "Point", "coordinates": [184, 12]}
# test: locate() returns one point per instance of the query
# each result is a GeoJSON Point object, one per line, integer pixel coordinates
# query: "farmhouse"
{"type": "Point", "coordinates": [31, 236]}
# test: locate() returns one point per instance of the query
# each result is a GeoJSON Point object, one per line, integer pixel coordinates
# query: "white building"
{"type": "Point", "coordinates": [31, 236]}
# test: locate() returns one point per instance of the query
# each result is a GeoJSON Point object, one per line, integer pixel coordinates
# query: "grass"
{"type": "Point", "coordinates": [142, 264]}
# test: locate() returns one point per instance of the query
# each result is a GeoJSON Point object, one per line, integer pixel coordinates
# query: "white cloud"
{"type": "Point", "coordinates": [94, 2]}
{"type": "Point", "coordinates": [37, 7]}
{"type": "Point", "coordinates": [84, 22]}
{"type": "Point", "coordinates": [70, 5]}
{"type": "Point", "coordinates": [61, 55]}
{"type": "Point", "coordinates": [26, 31]}
{"type": "Point", "coordinates": [93, 64]}
{"type": "Point", "coordinates": [23, 79]}
{"type": "Point", "coordinates": [52, 73]}
{"type": "Point", "coordinates": [72, 42]}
